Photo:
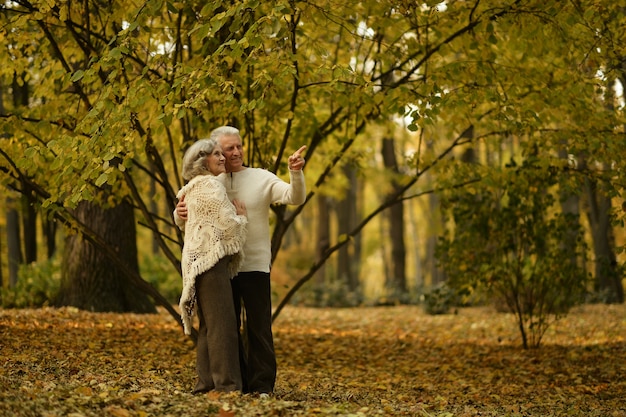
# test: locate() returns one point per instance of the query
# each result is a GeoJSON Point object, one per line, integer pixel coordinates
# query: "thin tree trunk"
{"type": "Point", "coordinates": [433, 229]}
{"type": "Point", "coordinates": [385, 255]}
{"type": "Point", "coordinates": [437, 275]}
{"type": "Point", "coordinates": [13, 241]}
{"type": "Point", "coordinates": [416, 252]}
{"type": "Point", "coordinates": [29, 225]}
{"type": "Point", "coordinates": [396, 285]}
{"type": "Point", "coordinates": [608, 279]}
{"type": "Point", "coordinates": [20, 99]}
{"type": "Point", "coordinates": [323, 242]}
{"type": "Point", "coordinates": [570, 205]}
{"type": "Point", "coordinates": [49, 227]}
{"type": "Point", "coordinates": [347, 215]}
{"type": "Point", "coordinates": [154, 207]}
{"type": "Point", "coordinates": [608, 276]}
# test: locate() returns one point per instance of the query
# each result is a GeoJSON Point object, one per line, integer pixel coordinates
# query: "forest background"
{"type": "Point", "coordinates": [458, 153]}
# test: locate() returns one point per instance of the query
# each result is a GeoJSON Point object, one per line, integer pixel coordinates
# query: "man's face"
{"type": "Point", "coordinates": [233, 151]}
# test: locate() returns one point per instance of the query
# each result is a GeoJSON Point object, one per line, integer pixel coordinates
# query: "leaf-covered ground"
{"type": "Point", "coordinates": [391, 361]}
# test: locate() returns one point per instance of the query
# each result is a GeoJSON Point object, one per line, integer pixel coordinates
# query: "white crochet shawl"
{"type": "Point", "coordinates": [213, 230]}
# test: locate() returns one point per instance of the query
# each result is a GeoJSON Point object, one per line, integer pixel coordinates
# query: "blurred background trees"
{"type": "Point", "coordinates": [483, 135]}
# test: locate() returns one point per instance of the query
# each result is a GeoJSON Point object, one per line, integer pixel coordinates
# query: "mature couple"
{"type": "Point", "coordinates": [226, 260]}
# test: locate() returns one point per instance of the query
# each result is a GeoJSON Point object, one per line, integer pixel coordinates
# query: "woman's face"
{"type": "Point", "coordinates": [216, 161]}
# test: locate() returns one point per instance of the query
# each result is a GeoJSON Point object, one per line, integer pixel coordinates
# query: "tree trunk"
{"type": "Point", "coordinates": [89, 280]}
{"type": "Point", "coordinates": [323, 241]}
{"type": "Point", "coordinates": [570, 205]}
{"type": "Point", "coordinates": [396, 283]}
{"type": "Point", "coordinates": [348, 260]}
{"type": "Point", "coordinates": [49, 227]}
{"type": "Point", "coordinates": [608, 279]}
{"type": "Point", "coordinates": [154, 207]}
{"type": "Point", "coordinates": [20, 99]}
{"type": "Point", "coordinates": [433, 231]}
{"type": "Point", "coordinates": [437, 275]}
{"type": "Point", "coordinates": [13, 241]}
{"type": "Point", "coordinates": [29, 225]}
{"type": "Point", "coordinates": [415, 231]}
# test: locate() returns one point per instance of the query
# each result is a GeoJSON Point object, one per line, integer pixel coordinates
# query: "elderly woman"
{"type": "Point", "coordinates": [214, 236]}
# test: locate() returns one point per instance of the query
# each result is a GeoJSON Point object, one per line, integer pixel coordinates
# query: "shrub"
{"type": "Point", "coordinates": [159, 272]}
{"type": "Point", "coordinates": [331, 294]}
{"type": "Point", "coordinates": [37, 285]}
{"type": "Point", "coordinates": [511, 238]}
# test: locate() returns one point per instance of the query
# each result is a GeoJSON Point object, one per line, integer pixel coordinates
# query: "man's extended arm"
{"type": "Point", "coordinates": [180, 214]}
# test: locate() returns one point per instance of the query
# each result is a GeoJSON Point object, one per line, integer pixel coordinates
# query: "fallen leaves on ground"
{"type": "Point", "coordinates": [386, 361]}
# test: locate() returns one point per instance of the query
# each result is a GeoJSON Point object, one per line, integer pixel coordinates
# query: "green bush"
{"type": "Point", "coordinates": [440, 300]}
{"type": "Point", "coordinates": [331, 294]}
{"type": "Point", "coordinates": [38, 284]}
{"type": "Point", "coordinates": [159, 272]}
{"type": "Point", "coordinates": [511, 238]}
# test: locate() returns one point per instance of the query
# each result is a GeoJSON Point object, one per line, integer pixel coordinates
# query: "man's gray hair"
{"type": "Point", "coordinates": [194, 161]}
{"type": "Point", "coordinates": [218, 132]}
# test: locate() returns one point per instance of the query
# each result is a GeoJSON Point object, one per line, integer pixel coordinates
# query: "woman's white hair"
{"type": "Point", "coordinates": [194, 161]}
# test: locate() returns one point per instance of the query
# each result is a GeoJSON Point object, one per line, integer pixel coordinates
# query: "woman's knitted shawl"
{"type": "Point", "coordinates": [213, 230]}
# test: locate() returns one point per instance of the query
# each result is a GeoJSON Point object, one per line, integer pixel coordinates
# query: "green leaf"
{"type": "Point", "coordinates": [102, 179]}
{"type": "Point", "coordinates": [77, 76]}
{"type": "Point", "coordinates": [171, 7]}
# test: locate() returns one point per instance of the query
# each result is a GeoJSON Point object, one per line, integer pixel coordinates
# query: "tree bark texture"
{"type": "Point", "coordinates": [348, 256]}
{"type": "Point", "coordinates": [29, 225]}
{"type": "Point", "coordinates": [49, 227]}
{"type": "Point", "coordinates": [13, 242]}
{"type": "Point", "coordinates": [607, 275]}
{"type": "Point", "coordinates": [570, 205]}
{"type": "Point", "coordinates": [396, 283]}
{"type": "Point", "coordinates": [323, 238]}
{"type": "Point", "coordinates": [90, 280]}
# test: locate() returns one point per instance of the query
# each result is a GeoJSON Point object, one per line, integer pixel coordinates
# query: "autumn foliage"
{"type": "Point", "coordinates": [339, 362]}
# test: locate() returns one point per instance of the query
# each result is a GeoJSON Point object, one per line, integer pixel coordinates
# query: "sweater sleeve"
{"type": "Point", "coordinates": [293, 193]}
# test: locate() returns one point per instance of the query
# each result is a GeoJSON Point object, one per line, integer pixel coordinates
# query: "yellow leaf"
{"type": "Point", "coordinates": [226, 413]}
{"type": "Point", "coordinates": [117, 411]}
{"type": "Point", "coordinates": [86, 391]}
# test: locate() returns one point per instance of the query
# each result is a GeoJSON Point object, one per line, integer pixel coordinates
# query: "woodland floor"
{"type": "Point", "coordinates": [385, 361]}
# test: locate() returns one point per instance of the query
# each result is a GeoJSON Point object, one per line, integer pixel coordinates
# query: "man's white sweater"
{"type": "Point", "coordinates": [258, 189]}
